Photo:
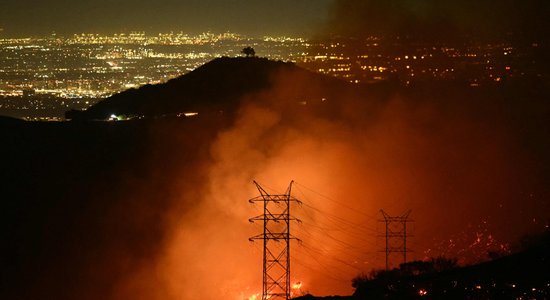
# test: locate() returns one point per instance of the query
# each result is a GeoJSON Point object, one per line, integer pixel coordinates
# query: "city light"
{"type": "Point", "coordinates": [62, 73]}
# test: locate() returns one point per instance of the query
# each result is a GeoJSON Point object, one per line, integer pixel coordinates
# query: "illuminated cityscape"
{"type": "Point", "coordinates": [59, 73]}
{"type": "Point", "coordinates": [381, 59]}
{"type": "Point", "coordinates": [45, 76]}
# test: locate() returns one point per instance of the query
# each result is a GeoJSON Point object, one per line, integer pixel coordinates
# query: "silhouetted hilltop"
{"type": "Point", "coordinates": [5, 121]}
{"type": "Point", "coordinates": [216, 86]}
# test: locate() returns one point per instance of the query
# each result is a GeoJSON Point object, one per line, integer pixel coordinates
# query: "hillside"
{"type": "Point", "coordinates": [218, 86]}
{"type": "Point", "coordinates": [523, 274]}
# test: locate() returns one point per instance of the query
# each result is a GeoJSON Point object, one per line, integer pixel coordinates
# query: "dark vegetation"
{"type": "Point", "coordinates": [248, 51]}
{"type": "Point", "coordinates": [524, 274]}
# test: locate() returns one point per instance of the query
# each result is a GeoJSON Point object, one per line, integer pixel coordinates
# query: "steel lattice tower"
{"type": "Point", "coordinates": [276, 236]}
{"type": "Point", "coordinates": [396, 235]}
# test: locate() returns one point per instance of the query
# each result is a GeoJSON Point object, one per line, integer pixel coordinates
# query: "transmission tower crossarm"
{"type": "Point", "coordinates": [274, 217]}
{"type": "Point", "coordinates": [274, 236]}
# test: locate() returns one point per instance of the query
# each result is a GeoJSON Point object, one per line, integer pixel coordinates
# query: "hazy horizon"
{"type": "Point", "coordinates": [19, 18]}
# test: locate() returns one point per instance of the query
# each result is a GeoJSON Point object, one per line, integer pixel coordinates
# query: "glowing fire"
{"type": "Point", "coordinates": [255, 297]}
{"type": "Point", "coordinates": [297, 285]}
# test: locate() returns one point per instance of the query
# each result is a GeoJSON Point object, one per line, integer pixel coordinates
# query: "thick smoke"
{"type": "Point", "coordinates": [440, 20]}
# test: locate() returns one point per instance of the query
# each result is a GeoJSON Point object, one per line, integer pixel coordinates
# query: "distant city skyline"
{"type": "Point", "coordinates": [254, 18]}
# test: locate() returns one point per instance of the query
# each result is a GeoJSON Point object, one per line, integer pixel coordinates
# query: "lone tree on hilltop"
{"type": "Point", "coordinates": [248, 52]}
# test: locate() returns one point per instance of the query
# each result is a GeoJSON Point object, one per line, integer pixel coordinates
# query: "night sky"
{"type": "Point", "coordinates": [427, 18]}
{"type": "Point", "coordinates": [25, 17]}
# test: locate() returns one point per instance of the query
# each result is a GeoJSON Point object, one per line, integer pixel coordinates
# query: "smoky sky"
{"type": "Point", "coordinates": [430, 19]}
{"type": "Point", "coordinates": [103, 16]}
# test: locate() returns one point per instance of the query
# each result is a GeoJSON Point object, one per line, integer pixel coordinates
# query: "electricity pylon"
{"type": "Point", "coordinates": [396, 235]}
{"type": "Point", "coordinates": [276, 259]}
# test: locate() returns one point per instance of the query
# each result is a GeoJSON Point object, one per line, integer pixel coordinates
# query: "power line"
{"type": "Point", "coordinates": [346, 236]}
{"type": "Point", "coordinates": [343, 224]}
{"type": "Point", "coordinates": [341, 204]}
{"type": "Point", "coordinates": [336, 218]}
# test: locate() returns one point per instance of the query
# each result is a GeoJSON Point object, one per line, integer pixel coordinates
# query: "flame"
{"type": "Point", "coordinates": [255, 297]}
{"type": "Point", "coordinates": [297, 285]}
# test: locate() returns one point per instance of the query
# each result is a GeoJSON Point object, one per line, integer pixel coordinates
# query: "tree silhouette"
{"type": "Point", "coordinates": [248, 52]}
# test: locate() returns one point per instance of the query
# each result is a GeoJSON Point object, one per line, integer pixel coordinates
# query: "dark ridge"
{"type": "Point", "coordinates": [219, 85]}
{"type": "Point", "coordinates": [509, 277]}
{"type": "Point", "coordinates": [526, 273]}
{"type": "Point", "coordinates": [5, 120]}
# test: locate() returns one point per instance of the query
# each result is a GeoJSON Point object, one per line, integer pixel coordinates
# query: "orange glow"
{"type": "Point", "coordinates": [297, 285]}
{"type": "Point", "coordinates": [422, 292]}
{"type": "Point", "coordinates": [255, 297]}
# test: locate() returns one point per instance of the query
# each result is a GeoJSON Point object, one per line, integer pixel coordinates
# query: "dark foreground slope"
{"type": "Point", "coordinates": [525, 274]}
{"type": "Point", "coordinates": [84, 204]}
